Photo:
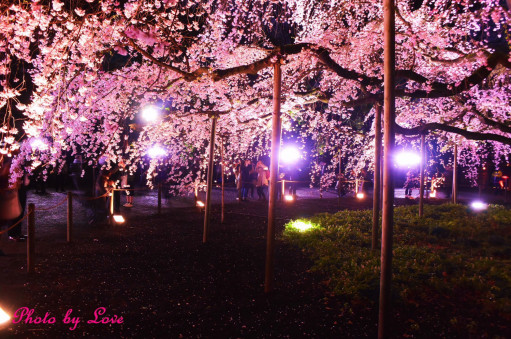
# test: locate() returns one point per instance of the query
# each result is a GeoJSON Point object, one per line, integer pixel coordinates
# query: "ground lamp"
{"type": "Point", "coordinates": [4, 317]}
{"type": "Point", "coordinates": [150, 114]}
{"type": "Point", "coordinates": [478, 205]}
{"type": "Point", "coordinates": [200, 204]}
{"type": "Point", "coordinates": [301, 225]}
{"type": "Point", "coordinates": [360, 195]}
{"type": "Point", "coordinates": [119, 219]}
{"type": "Point", "coordinates": [288, 197]}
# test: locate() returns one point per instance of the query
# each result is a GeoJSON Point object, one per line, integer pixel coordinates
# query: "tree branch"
{"type": "Point", "coordinates": [451, 129]}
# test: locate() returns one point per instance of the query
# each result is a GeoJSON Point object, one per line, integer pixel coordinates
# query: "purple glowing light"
{"type": "Point", "coordinates": [156, 151]}
{"type": "Point", "coordinates": [289, 155]}
{"type": "Point", "coordinates": [150, 114]}
{"type": "Point", "coordinates": [407, 159]}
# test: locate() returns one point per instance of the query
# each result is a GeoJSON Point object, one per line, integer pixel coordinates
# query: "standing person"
{"type": "Point", "coordinates": [22, 186]}
{"type": "Point", "coordinates": [291, 176]}
{"type": "Point", "coordinates": [409, 183]}
{"type": "Point", "coordinates": [76, 171]}
{"type": "Point", "coordinates": [112, 180]}
{"type": "Point", "coordinates": [126, 183]}
{"type": "Point", "coordinates": [246, 167]}
{"type": "Point", "coordinates": [253, 181]}
{"type": "Point", "coordinates": [40, 181]}
{"type": "Point", "coordinates": [483, 178]}
{"type": "Point", "coordinates": [340, 185]}
{"type": "Point", "coordinates": [237, 178]}
{"type": "Point", "coordinates": [262, 180]}
{"type": "Point", "coordinates": [11, 206]}
{"type": "Point", "coordinates": [100, 209]}
{"type": "Point", "coordinates": [448, 175]}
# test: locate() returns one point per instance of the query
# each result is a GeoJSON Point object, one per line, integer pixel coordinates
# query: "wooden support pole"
{"type": "Point", "coordinates": [207, 213]}
{"type": "Point", "coordinates": [223, 179]}
{"type": "Point", "coordinates": [274, 169]}
{"type": "Point", "coordinates": [283, 190]}
{"type": "Point", "coordinates": [69, 216]}
{"type": "Point", "coordinates": [196, 194]}
{"type": "Point", "coordinates": [384, 317]}
{"type": "Point", "coordinates": [381, 177]}
{"type": "Point", "coordinates": [111, 209]}
{"type": "Point", "coordinates": [339, 181]}
{"type": "Point", "coordinates": [377, 183]}
{"type": "Point", "coordinates": [422, 164]}
{"type": "Point", "coordinates": [30, 238]}
{"type": "Point", "coordinates": [455, 175]}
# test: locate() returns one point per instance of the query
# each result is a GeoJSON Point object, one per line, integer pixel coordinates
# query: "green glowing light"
{"type": "Point", "coordinates": [302, 225]}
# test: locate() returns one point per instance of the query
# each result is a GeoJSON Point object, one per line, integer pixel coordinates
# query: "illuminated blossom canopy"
{"type": "Point", "coordinates": [81, 71]}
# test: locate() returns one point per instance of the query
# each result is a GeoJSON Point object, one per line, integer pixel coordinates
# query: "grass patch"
{"type": "Point", "coordinates": [452, 256]}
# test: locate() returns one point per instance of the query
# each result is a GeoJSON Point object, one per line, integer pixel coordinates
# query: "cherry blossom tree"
{"type": "Point", "coordinates": [89, 66]}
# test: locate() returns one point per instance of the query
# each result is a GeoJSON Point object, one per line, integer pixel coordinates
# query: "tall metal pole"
{"type": "Point", "coordinates": [455, 175]}
{"type": "Point", "coordinates": [377, 169]}
{"type": "Point", "coordinates": [421, 190]}
{"type": "Point", "coordinates": [274, 169]}
{"type": "Point", "coordinates": [384, 318]}
{"type": "Point", "coordinates": [223, 177]}
{"type": "Point", "coordinates": [210, 180]}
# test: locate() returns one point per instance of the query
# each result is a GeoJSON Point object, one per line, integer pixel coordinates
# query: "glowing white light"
{"type": "Point", "coordinates": [407, 159]}
{"type": "Point", "coordinates": [119, 219]}
{"type": "Point", "coordinates": [288, 197]}
{"type": "Point", "coordinates": [4, 317]}
{"type": "Point", "coordinates": [302, 226]}
{"type": "Point", "coordinates": [38, 144]}
{"type": "Point", "coordinates": [432, 194]}
{"type": "Point", "coordinates": [200, 203]}
{"type": "Point", "coordinates": [360, 195]}
{"type": "Point", "coordinates": [156, 151]}
{"type": "Point", "coordinates": [150, 114]}
{"type": "Point", "coordinates": [289, 155]}
{"type": "Point", "coordinates": [478, 205]}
